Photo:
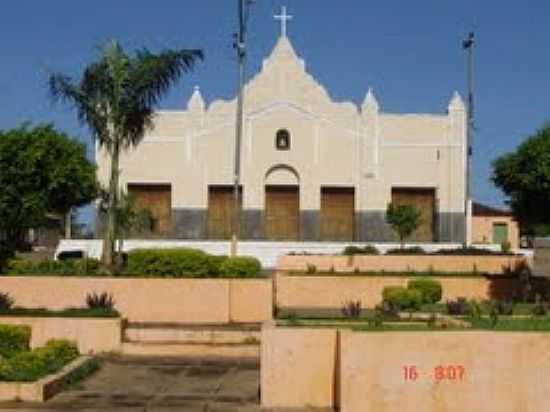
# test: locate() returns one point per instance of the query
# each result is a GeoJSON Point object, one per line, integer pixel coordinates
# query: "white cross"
{"type": "Point", "coordinates": [284, 18]}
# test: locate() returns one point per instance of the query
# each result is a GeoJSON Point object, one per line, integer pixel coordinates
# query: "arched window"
{"type": "Point", "coordinates": [282, 140]}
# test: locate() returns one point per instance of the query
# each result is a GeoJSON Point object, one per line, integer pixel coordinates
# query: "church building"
{"type": "Point", "coordinates": [312, 169]}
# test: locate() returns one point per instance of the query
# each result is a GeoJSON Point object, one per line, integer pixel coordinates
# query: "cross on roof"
{"type": "Point", "coordinates": [284, 18]}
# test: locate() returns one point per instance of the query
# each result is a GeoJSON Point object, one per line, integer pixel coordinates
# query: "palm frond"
{"type": "Point", "coordinates": [153, 74]}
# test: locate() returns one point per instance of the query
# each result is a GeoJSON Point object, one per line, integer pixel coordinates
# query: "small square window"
{"type": "Point", "coordinates": [282, 140]}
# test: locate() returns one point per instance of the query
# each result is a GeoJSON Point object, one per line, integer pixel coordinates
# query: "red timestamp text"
{"type": "Point", "coordinates": [439, 373]}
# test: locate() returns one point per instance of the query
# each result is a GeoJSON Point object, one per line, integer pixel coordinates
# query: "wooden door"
{"type": "Point", "coordinates": [424, 200]}
{"type": "Point", "coordinates": [221, 206]}
{"type": "Point", "coordinates": [282, 212]}
{"type": "Point", "coordinates": [157, 199]}
{"type": "Point", "coordinates": [337, 213]}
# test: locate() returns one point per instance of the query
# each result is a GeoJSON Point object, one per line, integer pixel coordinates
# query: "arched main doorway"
{"type": "Point", "coordinates": [282, 203]}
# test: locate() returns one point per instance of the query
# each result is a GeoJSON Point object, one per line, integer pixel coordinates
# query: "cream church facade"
{"type": "Point", "coordinates": [312, 169]}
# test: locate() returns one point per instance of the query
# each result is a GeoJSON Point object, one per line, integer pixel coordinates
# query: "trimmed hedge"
{"type": "Point", "coordinates": [14, 339]}
{"type": "Point", "coordinates": [172, 263]}
{"type": "Point", "coordinates": [431, 289]}
{"type": "Point", "coordinates": [68, 267]}
{"type": "Point", "coordinates": [240, 267]}
{"type": "Point", "coordinates": [189, 263]}
{"type": "Point", "coordinates": [402, 298]}
{"type": "Point", "coordinates": [29, 366]}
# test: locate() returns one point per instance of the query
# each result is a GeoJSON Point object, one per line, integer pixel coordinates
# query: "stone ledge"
{"type": "Point", "coordinates": [43, 389]}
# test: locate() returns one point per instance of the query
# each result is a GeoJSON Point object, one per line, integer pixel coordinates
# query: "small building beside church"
{"type": "Point", "coordinates": [312, 169]}
{"type": "Point", "coordinates": [493, 225]}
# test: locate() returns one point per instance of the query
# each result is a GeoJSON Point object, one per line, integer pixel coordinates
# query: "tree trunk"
{"type": "Point", "coordinates": [109, 236]}
{"type": "Point", "coordinates": [68, 223]}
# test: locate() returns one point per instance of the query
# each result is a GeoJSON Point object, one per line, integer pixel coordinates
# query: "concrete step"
{"type": "Point", "coordinates": [192, 334]}
{"type": "Point", "coordinates": [251, 351]}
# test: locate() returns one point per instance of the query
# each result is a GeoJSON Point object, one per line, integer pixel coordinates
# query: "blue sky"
{"type": "Point", "coordinates": [409, 52]}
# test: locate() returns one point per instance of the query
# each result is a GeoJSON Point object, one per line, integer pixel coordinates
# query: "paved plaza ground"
{"type": "Point", "coordinates": [160, 384]}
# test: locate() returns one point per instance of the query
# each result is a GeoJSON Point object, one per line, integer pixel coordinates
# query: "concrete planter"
{"type": "Point", "coordinates": [398, 263]}
{"type": "Point", "coordinates": [41, 390]}
{"type": "Point", "coordinates": [331, 292]}
{"type": "Point", "coordinates": [216, 301]}
{"type": "Point", "coordinates": [91, 335]}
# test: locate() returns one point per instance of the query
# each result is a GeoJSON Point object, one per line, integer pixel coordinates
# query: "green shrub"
{"type": "Point", "coordinates": [68, 267]}
{"type": "Point", "coordinates": [30, 366]}
{"type": "Point", "coordinates": [215, 265]}
{"type": "Point", "coordinates": [402, 298]}
{"type": "Point", "coordinates": [351, 250]}
{"type": "Point", "coordinates": [506, 247]}
{"type": "Point", "coordinates": [14, 339]}
{"type": "Point", "coordinates": [431, 289]}
{"type": "Point", "coordinates": [356, 250]}
{"type": "Point", "coordinates": [172, 263]}
{"type": "Point", "coordinates": [416, 250]}
{"type": "Point", "coordinates": [466, 251]}
{"type": "Point", "coordinates": [240, 267]}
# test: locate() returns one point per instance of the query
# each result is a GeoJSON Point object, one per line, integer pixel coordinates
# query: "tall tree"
{"type": "Point", "coordinates": [42, 171]}
{"type": "Point", "coordinates": [524, 176]}
{"type": "Point", "coordinates": [115, 98]}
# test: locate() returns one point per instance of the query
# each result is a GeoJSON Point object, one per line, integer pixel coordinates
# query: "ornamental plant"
{"type": "Point", "coordinates": [404, 220]}
{"type": "Point", "coordinates": [431, 289]}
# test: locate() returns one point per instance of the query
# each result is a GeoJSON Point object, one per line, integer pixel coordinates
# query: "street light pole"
{"type": "Point", "coordinates": [240, 46]}
{"type": "Point", "coordinates": [469, 45]}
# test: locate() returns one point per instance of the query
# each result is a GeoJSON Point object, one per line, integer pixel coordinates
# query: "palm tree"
{"type": "Point", "coordinates": [115, 98]}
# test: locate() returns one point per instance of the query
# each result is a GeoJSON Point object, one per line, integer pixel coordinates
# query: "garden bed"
{"type": "Point", "coordinates": [47, 387]}
{"type": "Point", "coordinates": [330, 292]}
{"type": "Point", "coordinates": [217, 301]}
{"type": "Point", "coordinates": [35, 374]}
{"type": "Point", "coordinates": [91, 335]}
{"type": "Point", "coordinates": [484, 264]}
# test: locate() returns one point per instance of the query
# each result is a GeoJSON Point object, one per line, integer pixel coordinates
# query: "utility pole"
{"type": "Point", "coordinates": [240, 46]}
{"type": "Point", "coordinates": [469, 45]}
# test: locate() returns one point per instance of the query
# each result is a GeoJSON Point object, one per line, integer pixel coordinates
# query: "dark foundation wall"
{"type": "Point", "coordinates": [370, 226]}
{"type": "Point", "coordinates": [189, 223]}
{"type": "Point", "coordinates": [310, 224]}
{"type": "Point", "coordinates": [252, 224]}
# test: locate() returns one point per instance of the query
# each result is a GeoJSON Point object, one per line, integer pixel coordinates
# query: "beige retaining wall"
{"type": "Point", "coordinates": [395, 263]}
{"type": "Point", "coordinates": [90, 335]}
{"type": "Point", "coordinates": [505, 372]}
{"type": "Point", "coordinates": [298, 367]}
{"type": "Point", "coordinates": [152, 300]}
{"type": "Point", "coordinates": [333, 291]}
